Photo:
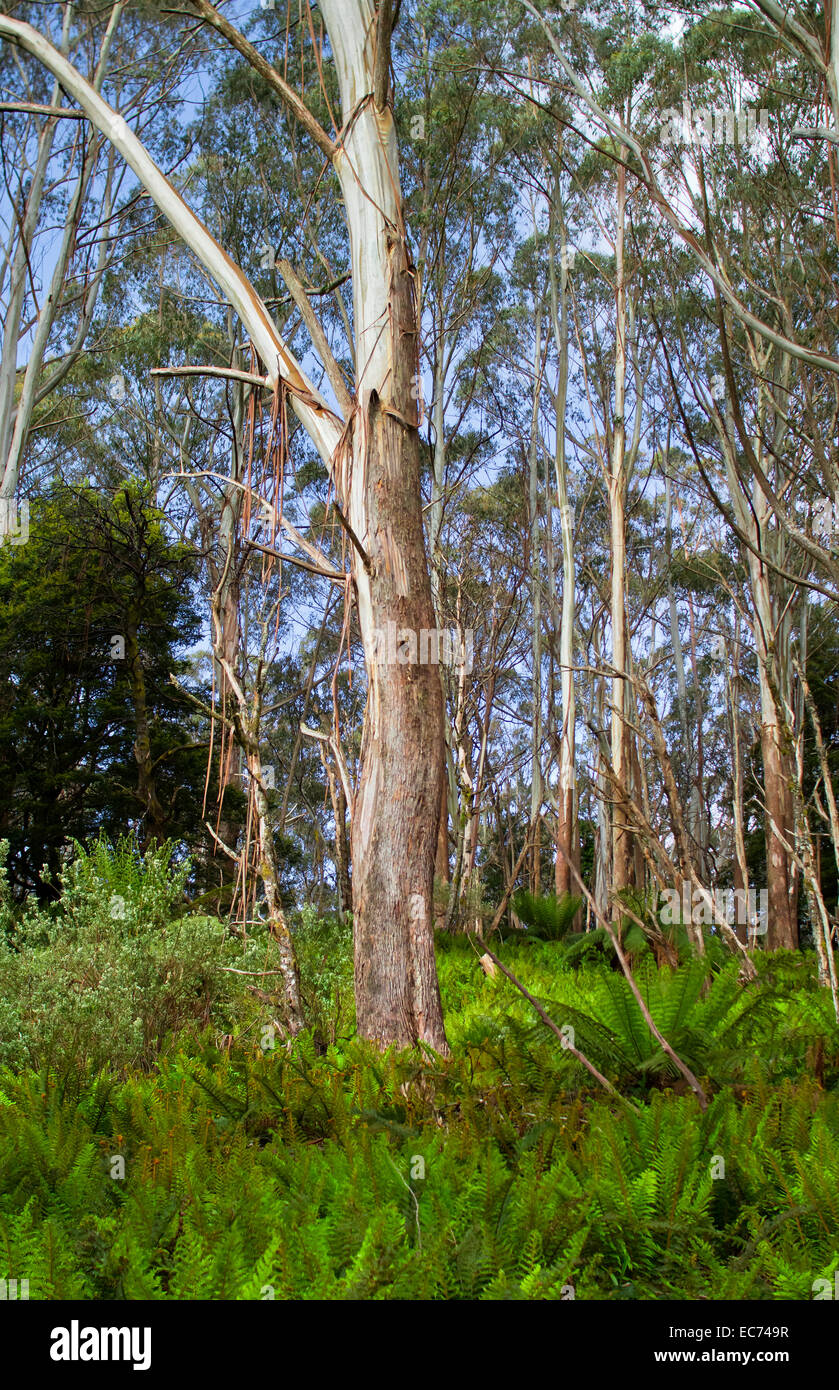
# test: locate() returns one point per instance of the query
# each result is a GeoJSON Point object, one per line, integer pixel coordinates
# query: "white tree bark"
{"type": "Point", "coordinates": [567, 835]}
{"type": "Point", "coordinates": [621, 762]}
{"type": "Point", "coordinates": [536, 600]}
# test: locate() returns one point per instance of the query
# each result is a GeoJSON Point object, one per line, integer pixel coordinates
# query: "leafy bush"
{"type": "Point", "coordinates": [325, 957]}
{"type": "Point", "coordinates": [113, 973]}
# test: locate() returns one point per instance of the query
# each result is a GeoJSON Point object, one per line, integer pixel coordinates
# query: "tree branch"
{"type": "Point", "coordinates": [318, 337]}
{"type": "Point", "coordinates": [381, 73]}
{"type": "Point", "coordinates": [298, 108]}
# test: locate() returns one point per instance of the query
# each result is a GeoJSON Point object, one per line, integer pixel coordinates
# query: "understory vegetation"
{"type": "Point", "coordinates": [160, 1136]}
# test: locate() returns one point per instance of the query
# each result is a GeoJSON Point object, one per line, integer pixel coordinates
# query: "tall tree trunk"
{"type": "Point", "coordinates": [678, 651]}
{"type": "Point", "coordinates": [374, 461]}
{"type": "Point", "coordinates": [780, 825]}
{"type": "Point", "coordinates": [772, 638]}
{"type": "Point", "coordinates": [536, 601]}
{"type": "Point", "coordinates": [246, 720]}
{"type": "Point", "coordinates": [605, 809]}
{"type": "Point", "coordinates": [567, 834]}
{"type": "Point", "coordinates": [697, 792]}
{"type": "Point", "coordinates": [741, 866]}
{"type": "Point", "coordinates": [270, 876]}
{"type": "Point", "coordinates": [397, 806]}
{"type": "Point", "coordinates": [622, 849]}
{"type": "Point", "coordinates": [442, 870]}
{"type": "Point", "coordinates": [442, 867]}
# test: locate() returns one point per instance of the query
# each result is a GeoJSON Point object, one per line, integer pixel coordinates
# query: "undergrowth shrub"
{"type": "Point", "coordinates": [546, 917]}
{"type": "Point", "coordinates": [718, 1025]}
{"type": "Point", "coordinates": [115, 972]}
{"type": "Point", "coordinates": [325, 957]}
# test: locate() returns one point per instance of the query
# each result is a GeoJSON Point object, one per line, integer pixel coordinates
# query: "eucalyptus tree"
{"type": "Point", "coordinates": [613, 46]}
{"type": "Point", "coordinates": [461, 204]}
{"type": "Point", "coordinates": [369, 441]}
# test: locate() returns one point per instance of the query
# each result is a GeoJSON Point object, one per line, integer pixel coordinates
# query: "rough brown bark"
{"type": "Point", "coordinates": [396, 806]}
{"type": "Point", "coordinates": [566, 841]}
{"type": "Point", "coordinates": [395, 825]}
{"type": "Point", "coordinates": [781, 880]}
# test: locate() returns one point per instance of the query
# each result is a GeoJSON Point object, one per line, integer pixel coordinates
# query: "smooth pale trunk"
{"type": "Point", "coordinates": [536, 600]}
{"type": "Point", "coordinates": [780, 823]}
{"type": "Point", "coordinates": [622, 857]}
{"type": "Point", "coordinates": [741, 867]}
{"type": "Point", "coordinates": [270, 876]}
{"type": "Point", "coordinates": [448, 801]}
{"type": "Point", "coordinates": [778, 769]}
{"type": "Point", "coordinates": [603, 861]}
{"type": "Point", "coordinates": [567, 835]}
{"type": "Point", "coordinates": [679, 661]}
{"type": "Point", "coordinates": [246, 716]}
{"type": "Point", "coordinates": [699, 819]}
{"type": "Point", "coordinates": [567, 838]}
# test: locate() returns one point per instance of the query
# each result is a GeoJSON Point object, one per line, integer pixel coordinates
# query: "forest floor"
{"type": "Point", "coordinates": [238, 1166]}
